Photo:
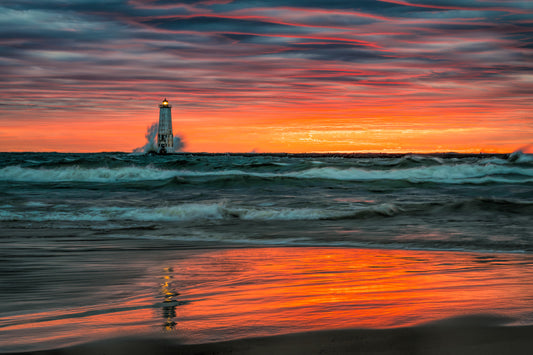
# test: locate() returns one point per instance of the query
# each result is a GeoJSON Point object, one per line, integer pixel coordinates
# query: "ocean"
{"type": "Point", "coordinates": [215, 247]}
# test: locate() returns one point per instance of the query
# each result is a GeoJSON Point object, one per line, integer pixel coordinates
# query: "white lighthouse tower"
{"type": "Point", "coordinates": [165, 138]}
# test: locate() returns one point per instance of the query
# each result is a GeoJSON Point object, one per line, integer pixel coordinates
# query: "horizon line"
{"type": "Point", "coordinates": [345, 153]}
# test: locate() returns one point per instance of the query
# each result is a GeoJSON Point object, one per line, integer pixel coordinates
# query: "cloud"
{"type": "Point", "coordinates": [221, 55]}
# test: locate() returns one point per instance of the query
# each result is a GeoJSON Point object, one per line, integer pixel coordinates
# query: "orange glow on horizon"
{"type": "Point", "coordinates": [291, 129]}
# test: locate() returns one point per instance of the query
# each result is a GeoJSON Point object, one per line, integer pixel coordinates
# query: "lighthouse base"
{"type": "Point", "coordinates": [165, 143]}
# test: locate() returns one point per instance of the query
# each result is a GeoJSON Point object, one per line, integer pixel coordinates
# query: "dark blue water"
{"type": "Point", "coordinates": [443, 202]}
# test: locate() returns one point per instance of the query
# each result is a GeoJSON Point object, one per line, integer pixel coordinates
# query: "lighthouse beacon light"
{"type": "Point", "coordinates": [165, 138]}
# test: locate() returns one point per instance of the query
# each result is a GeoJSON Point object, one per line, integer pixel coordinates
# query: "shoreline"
{"type": "Point", "coordinates": [192, 244]}
{"type": "Point", "coordinates": [193, 295]}
{"type": "Point", "coordinates": [456, 336]}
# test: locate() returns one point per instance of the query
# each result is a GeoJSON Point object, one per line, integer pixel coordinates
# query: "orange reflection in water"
{"type": "Point", "coordinates": [269, 291]}
{"type": "Point", "coordinates": [210, 295]}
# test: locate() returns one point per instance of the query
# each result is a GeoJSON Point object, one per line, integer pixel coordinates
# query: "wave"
{"type": "Point", "coordinates": [77, 174]}
{"type": "Point", "coordinates": [472, 206]}
{"type": "Point", "coordinates": [456, 174]}
{"type": "Point", "coordinates": [196, 212]}
{"type": "Point", "coordinates": [520, 157]}
{"type": "Point", "coordinates": [445, 174]}
{"type": "Point", "coordinates": [224, 211]}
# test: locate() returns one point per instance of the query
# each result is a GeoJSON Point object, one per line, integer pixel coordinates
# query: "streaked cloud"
{"type": "Point", "coordinates": [441, 65]}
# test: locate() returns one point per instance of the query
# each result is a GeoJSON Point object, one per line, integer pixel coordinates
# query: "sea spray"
{"type": "Point", "coordinates": [179, 144]}
{"type": "Point", "coordinates": [151, 141]}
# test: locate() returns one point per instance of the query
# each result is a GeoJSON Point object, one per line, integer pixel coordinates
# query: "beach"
{"type": "Point", "coordinates": [458, 339]}
{"type": "Point", "coordinates": [262, 254]}
{"type": "Point", "coordinates": [198, 299]}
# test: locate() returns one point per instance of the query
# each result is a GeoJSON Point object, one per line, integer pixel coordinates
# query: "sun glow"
{"type": "Point", "coordinates": [389, 77]}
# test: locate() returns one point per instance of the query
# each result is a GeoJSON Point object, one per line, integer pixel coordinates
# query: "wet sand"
{"type": "Point", "coordinates": [250, 300]}
{"type": "Point", "coordinates": [457, 337]}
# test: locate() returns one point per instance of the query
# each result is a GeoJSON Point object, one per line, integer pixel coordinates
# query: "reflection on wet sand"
{"type": "Point", "coordinates": [265, 291]}
{"type": "Point", "coordinates": [169, 303]}
{"type": "Point", "coordinates": [235, 293]}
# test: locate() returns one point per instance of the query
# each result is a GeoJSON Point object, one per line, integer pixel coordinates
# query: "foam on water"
{"type": "Point", "coordinates": [455, 174]}
{"type": "Point", "coordinates": [77, 174]}
{"type": "Point", "coordinates": [445, 174]}
{"type": "Point", "coordinates": [195, 211]}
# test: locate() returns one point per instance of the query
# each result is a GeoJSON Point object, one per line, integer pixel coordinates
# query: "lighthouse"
{"type": "Point", "coordinates": [165, 138]}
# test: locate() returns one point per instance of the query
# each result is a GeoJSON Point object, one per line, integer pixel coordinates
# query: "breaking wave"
{"type": "Point", "coordinates": [444, 174]}
{"type": "Point", "coordinates": [190, 212]}
{"type": "Point", "coordinates": [196, 212]}
{"type": "Point", "coordinates": [77, 174]}
{"type": "Point", "coordinates": [447, 174]}
{"type": "Point", "coordinates": [151, 141]}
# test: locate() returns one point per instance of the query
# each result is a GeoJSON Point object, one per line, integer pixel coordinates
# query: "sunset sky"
{"type": "Point", "coordinates": [268, 76]}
